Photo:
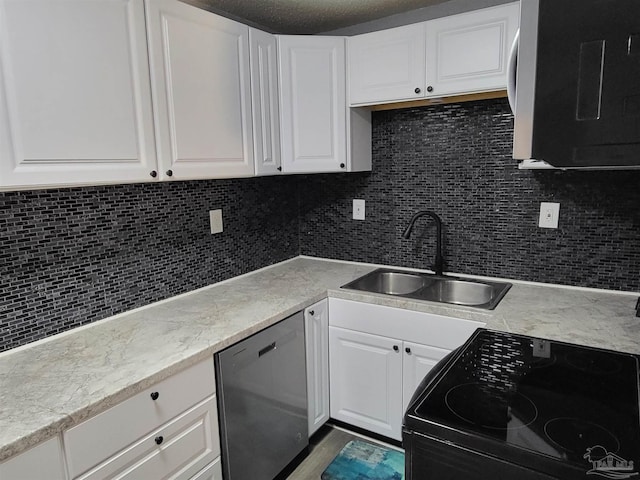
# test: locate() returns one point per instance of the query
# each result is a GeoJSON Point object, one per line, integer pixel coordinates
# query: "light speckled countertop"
{"type": "Point", "coordinates": [54, 384]}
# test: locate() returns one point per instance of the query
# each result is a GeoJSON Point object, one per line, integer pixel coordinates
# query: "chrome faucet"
{"type": "Point", "coordinates": [438, 266]}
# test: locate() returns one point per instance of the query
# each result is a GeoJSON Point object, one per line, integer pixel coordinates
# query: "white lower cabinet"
{"type": "Point", "coordinates": [42, 462]}
{"type": "Point", "coordinates": [378, 356]}
{"type": "Point", "coordinates": [417, 360]}
{"type": "Point", "coordinates": [366, 381]}
{"type": "Point", "coordinates": [316, 328]}
{"type": "Point", "coordinates": [213, 471]}
{"type": "Point", "coordinates": [169, 431]}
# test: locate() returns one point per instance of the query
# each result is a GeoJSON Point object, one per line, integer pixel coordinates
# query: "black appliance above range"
{"type": "Point", "coordinates": [507, 406]}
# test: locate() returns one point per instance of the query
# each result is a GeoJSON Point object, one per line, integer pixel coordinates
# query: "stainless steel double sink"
{"type": "Point", "coordinates": [435, 288]}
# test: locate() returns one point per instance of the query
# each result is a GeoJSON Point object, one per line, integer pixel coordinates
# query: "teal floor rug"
{"type": "Point", "coordinates": [360, 460]}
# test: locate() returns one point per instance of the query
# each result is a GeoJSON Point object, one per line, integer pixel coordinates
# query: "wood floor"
{"type": "Point", "coordinates": [324, 446]}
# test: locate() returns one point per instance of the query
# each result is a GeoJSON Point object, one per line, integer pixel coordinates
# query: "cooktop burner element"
{"type": "Point", "coordinates": [489, 407]}
{"type": "Point", "coordinates": [517, 398]}
{"type": "Point", "coordinates": [576, 435]}
{"type": "Point", "coordinates": [597, 364]}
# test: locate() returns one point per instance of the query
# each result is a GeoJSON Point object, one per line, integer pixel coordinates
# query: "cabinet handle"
{"type": "Point", "coordinates": [396, 348]}
{"type": "Point", "coordinates": [154, 395]}
{"type": "Point", "coordinates": [342, 165]}
{"type": "Point", "coordinates": [153, 173]}
{"type": "Point", "coordinates": [429, 88]}
{"type": "Point", "coordinates": [159, 439]}
{"type": "Point", "coordinates": [279, 169]}
{"type": "Point", "coordinates": [417, 90]}
{"type": "Point", "coordinates": [312, 313]}
{"type": "Point", "coordinates": [408, 350]}
{"type": "Point", "coordinates": [169, 173]}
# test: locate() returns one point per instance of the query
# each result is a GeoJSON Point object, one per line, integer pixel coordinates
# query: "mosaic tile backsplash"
{"type": "Point", "coordinates": [456, 160]}
{"type": "Point", "coordinates": [72, 256]}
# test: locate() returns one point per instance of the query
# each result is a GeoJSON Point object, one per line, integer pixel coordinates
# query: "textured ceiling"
{"type": "Point", "coordinates": [310, 16]}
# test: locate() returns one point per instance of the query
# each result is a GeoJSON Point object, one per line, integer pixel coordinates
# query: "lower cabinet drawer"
{"type": "Point", "coordinates": [213, 471]}
{"type": "Point", "coordinates": [96, 439]}
{"type": "Point", "coordinates": [178, 450]}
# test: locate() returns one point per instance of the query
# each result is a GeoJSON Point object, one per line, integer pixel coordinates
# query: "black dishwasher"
{"type": "Point", "coordinates": [262, 401]}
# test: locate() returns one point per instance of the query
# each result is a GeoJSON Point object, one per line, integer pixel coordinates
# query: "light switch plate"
{"type": "Point", "coordinates": [549, 213]}
{"type": "Point", "coordinates": [215, 219]}
{"type": "Point", "coordinates": [358, 209]}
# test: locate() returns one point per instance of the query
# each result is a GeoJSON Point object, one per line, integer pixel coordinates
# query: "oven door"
{"type": "Point", "coordinates": [431, 459]}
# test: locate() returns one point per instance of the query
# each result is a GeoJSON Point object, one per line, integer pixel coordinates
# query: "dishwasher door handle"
{"type": "Point", "coordinates": [267, 349]}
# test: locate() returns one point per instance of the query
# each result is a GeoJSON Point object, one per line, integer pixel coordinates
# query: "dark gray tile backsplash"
{"type": "Point", "coordinates": [456, 160]}
{"type": "Point", "coordinates": [72, 256]}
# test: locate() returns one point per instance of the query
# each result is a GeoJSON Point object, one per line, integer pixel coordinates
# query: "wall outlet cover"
{"type": "Point", "coordinates": [215, 219]}
{"type": "Point", "coordinates": [358, 209]}
{"type": "Point", "coordinates": [549, 213]}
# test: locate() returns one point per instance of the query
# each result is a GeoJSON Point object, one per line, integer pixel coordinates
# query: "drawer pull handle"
{"type": "Point", "coordinates": [408, 350]}
{"type": "Point", "coordinates": [159, 439]}
{"type": "Point", "coordinates": [396, 348]}
{"type": "Point", "coordinates": [154, 395]}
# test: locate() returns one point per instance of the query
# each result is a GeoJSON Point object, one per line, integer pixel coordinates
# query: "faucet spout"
{"type": "Point", "coordinates": [439, 260]}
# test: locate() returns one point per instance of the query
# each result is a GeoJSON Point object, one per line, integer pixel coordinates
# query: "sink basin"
{"type": "Point", "coordinates": [462, 292]}
{"type": "Point", "coordinates": [391, 283]}
{"type": "Point", "coordinates": [424, 286]}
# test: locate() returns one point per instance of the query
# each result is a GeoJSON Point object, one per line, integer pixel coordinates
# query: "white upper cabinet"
{"type": "Point", "coordinates": [264, 96]}
{"type": "Point", "coordinates": [469, 52]}
{"type": "Point", "coordinates": [201, 92]}
{"type": "Point", "coordinates": [75, 102]}
{"type": "Point", "coordinates": [313, 103]}
{"type": "Point", "coordinates": [388, 65]}
{"type": "Point", "coordinates": [455, 55]}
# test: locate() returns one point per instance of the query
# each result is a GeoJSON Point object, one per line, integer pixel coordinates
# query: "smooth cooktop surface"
{"type": "Point", "coordinates": [571, 403]}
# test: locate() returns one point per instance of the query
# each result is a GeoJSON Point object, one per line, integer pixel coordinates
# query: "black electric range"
{"type": "Point", "coordinates": [507, 406]}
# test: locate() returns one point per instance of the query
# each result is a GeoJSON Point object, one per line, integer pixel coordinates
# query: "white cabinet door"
{"type": "Point", "coordinates": [213, 471]}
{"type": "Point", "coordinates": [42, 462]}
{"type": "Point", "coordinates": [264, 96]}
{"type": "Point", "coordinates": [469, 52]}
{"type": "Point", "coordinates": [388, 65]}
{"type": "Point", "coordinates": [201, 92]}
{"type": "Point", "coordinates": [75, 100]}
{"type": "Point", "coordinates": [316, 329]}
{"type": "Point", "coordinates": [418, 360]}
{"type": "Point", "coordinates": [366, 381]}
{"type": "Point", "coordinates": [313, 104]}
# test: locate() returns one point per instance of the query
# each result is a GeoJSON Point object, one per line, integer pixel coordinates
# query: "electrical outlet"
{"type": "Point", "coordinates": [215, 219]}
{"type": "Point", "coordinates": [549, 213]}
{"type": "Point", "coordinates": [358, 209]}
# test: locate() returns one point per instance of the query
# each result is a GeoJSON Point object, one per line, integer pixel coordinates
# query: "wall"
{"type": "Point", "coordinates": [72, 256]}
{"type": "Point", "coordinates": [456, 160]}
